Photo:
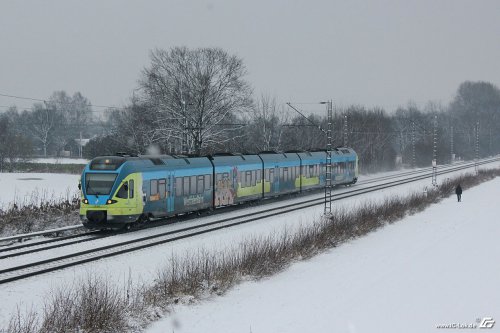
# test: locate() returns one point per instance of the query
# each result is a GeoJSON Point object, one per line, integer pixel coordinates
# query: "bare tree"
{"type": "Point", "coordinates": [193, 93]}
{"type": "Point", "coordinates": [265, 130]}
{"type": "Point", "coordinates": [42, 123]}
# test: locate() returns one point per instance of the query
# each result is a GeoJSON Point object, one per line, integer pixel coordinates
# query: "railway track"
{"type": "Point", "coordinates": [34, 268]}
{"type": "Point", "coordinates": [62, 241]}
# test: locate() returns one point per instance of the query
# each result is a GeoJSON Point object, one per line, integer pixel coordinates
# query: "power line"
{"type": "Point", "coordinates": [45, 101]}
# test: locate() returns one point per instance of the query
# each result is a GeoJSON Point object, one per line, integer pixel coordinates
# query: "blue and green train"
{"type": "Point", "coordinates": [119, 191]}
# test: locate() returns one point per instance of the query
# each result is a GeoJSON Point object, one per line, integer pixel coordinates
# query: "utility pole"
{"type": "Point", "coordinates": [451, 143]}
{"type": "Point", "coordinates": [477, 149]}
{"type": "Point", "coordinates": [328, 173]}
{"type": "Point", "coordinates": [434, 154]}
{"type": "Point", "coordinates": [80, 146]}
{"type": "Point", "coordinates": [329, 145]}
{"type": "Point", "coordinates": [413, 144]}
{"type": "Point", "coordinates": [345, 130]}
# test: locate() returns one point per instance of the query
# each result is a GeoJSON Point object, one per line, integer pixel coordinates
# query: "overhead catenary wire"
{"type": "Point", "coordinates": [48, 101]}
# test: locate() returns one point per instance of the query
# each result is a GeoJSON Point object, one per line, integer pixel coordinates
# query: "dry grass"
{"type": "Point", "coordinates": [39, 211]}
{"type": "Point", "coordinates": [94, 305]}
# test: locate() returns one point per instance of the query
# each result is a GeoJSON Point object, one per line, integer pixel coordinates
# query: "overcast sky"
{"type": "Point", "coordinates": [374, 53]}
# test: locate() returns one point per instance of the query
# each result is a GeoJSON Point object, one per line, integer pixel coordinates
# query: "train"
{"type": "Point", "coordinates": [123, 190]}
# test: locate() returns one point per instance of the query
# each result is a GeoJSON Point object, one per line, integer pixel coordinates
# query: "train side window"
{"type": "Point", "coordinates": [285, 174]}
{"type": "Point", "coordinates": [131, 189]}
{"type": "Point", "coordinates": [192, 189]}
{"type": "Point", "coordinates": [178, 187]}
{"type": "Point", "coordinates": [266, 174]}
{"type": "Point", "coordinates": [218, 181]}
{"type": "Point", "coordinates": [201, 183]}
{"type": "Point", "coordinates": [185, 183]}
{"type": "Point", "coordinates": [207, 182]}
{"type": "Point", "coordinates": [122, 192]}
{"type": "Point", "coordinates": [162, 187]}
{"type": "Point", "coordinates": [258, 176]}
{"type": "Point", "coordinates": [271, 175]}
{"type": "Point", "coordinates": [254, 177]}
{"type": "Point", "coordinates": [154, 190]}
{"type": "Point", "coordinates": [154, 186]}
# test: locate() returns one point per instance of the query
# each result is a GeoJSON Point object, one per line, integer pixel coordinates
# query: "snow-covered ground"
{"type": "Point", "coordinates": [438, 267]}
{"type": "Point", "coordinates": [348, 273]}
{"type": "Point", "coordinates": [26, 188]}
{"type": "Point", "coordinates": [59, 160]}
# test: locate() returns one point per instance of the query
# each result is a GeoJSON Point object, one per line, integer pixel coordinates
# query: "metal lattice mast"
{"type": "Point", "coordinates": [328, 171]}
{"type": "Point", "coordinates": [452, 155]}
{"type": "Point", "coordinates": [434, 154]}
{"type": "Point", "coordinates": [476, 159]}
{"type": "Point", "coordinates": [413, 164]}
{"type": "Point", "coordinates": [345, 130]}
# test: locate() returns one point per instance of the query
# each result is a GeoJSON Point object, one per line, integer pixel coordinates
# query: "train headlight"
{"type": "Point", "coordinates": [85, 201]}
{"type": "Point", "coordinates": [109, 202]}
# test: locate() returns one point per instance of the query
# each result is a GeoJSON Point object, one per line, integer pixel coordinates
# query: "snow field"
{"type": "Point", "coordinates": [34, 188]}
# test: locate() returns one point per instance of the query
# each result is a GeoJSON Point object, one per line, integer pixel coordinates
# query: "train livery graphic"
{"type": "Point", "coordinates": [118, 191]}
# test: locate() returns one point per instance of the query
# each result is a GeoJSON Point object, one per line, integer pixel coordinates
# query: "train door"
{"type": "Point", "coordinates": [276, 184]}
{"type": "Point", "coordinates": [170, 193]}
{"type": "Point", "coordinates": [158, 195]}
{"type": "Point", "coordinates": [123, 194]}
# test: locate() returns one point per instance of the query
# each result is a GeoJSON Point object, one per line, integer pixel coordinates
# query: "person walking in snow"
{"type": "Point", "coordinates": [458, 192]}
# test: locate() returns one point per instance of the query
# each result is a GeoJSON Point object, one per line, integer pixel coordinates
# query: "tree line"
{"type": "Point", "coordinates": [197, 101]}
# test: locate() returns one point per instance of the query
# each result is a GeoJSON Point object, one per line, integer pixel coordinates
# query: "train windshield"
{"type": "Point", "coordinates": [99, 183]}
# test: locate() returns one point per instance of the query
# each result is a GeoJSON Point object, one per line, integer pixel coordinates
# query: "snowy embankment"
{"type": "Point", "coordinates": [436, 267]}
{"type": "Point", "coordinates": [37, 201]}
{"type": "Point", "coordinates": [433, 268]}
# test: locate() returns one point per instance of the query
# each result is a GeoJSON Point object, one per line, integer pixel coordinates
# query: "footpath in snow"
{"type": "Point", "coordinates": [438, 267]}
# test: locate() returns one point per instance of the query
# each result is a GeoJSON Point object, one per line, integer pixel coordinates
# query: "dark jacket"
{"type": "Point", "coordinates": [458, 190]}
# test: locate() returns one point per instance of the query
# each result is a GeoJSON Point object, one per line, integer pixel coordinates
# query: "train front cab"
{"type": "Point", "coordinates": [110, 197]}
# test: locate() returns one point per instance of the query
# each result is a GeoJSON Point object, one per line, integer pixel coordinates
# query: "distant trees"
{"type": "Point", "coordinates": [476, 102]}
{"type": "Point", "coordinates": [197, 101]}
{"type": "Point", "coordinates": [371, 134]}
{"type": "Point", "coordinates": [73, 116]}
{"type": "Point", "coordinates": [56, 124]}
{"type": "Point", "coordinates": [14, 144]}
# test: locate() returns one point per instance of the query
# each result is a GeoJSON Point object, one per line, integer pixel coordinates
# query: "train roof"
{"type": "Point", "coordinates": [113, 162]}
